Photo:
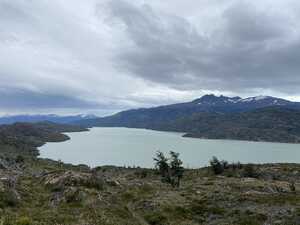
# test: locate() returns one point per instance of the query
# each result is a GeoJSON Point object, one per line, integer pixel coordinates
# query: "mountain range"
{"type": "Point", "coordinates": [40, 118]}
{"type": "Point", "coordinates": [148, 117]}
{"type": "Point", "coordinates": [260, 118]}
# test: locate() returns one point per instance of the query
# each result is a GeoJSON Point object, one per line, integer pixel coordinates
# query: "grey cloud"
{"type": "Point", "coordinates": [252, 49]}
{"type": "Point", "coordinates": [25, 99]}
{"type": "Point", "coordinates": [122, 54]}
{"type": "Point", "coordinates": [246, 23]}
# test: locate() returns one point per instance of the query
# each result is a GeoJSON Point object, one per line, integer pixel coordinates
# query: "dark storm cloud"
{"type": "Point", "coordinates": [252, 48]}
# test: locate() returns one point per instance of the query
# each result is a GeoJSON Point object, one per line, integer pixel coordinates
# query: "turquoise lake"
{"type": "Point", "coordinates": [137, 147]}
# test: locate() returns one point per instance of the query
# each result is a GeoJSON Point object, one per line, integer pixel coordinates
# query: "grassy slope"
{"type": "Point", "coordinates": [38, 191]}
{"type": "Point", "coordinates": [136, 196]}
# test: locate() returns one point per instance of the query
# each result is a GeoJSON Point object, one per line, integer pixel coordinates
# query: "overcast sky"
{"type": "Point", "coordinates": [102, 56]}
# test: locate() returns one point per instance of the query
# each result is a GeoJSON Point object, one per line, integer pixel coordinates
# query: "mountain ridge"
{"type": "Point", "coordinates": [28, 118]}
{"type": "Point", "coordinates": [207, 103]}
{"type": "Point", "coordinates": [213, 117]}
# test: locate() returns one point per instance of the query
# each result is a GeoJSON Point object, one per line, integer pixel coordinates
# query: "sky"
{"type": "Point", "coordinates": [103, 56]}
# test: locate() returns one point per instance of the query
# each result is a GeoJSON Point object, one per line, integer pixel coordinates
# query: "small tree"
{"type": "Point", "coordinates": [161, 163]}
{"type": "Point", "coordinates": [217, 166]}
{"type": "Point", "coordinates": [171, 172]}
{"type": "Point", "coordinates": [176, 169]}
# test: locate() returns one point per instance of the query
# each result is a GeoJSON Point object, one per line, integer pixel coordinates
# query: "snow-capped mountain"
{"type": "Point", "coordinates": [148, 117]}
{"type": "Point", "coordinates": [259, 101]}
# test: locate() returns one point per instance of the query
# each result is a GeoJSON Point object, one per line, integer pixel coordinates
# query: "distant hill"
{"type": "Point", "coordinates": [39, 118]}
{"type": "Point", "coordinates": [272, 124]}
{"type": "Point", "coordinates": [28, 136]}
{"type": "Point", "coordinates": [261, 118]}
{"type": "Point", "coordinates": [149, 117]}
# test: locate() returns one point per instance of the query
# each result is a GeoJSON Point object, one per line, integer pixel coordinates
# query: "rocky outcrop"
{"type": "Point", "coordinates": [60, 180]}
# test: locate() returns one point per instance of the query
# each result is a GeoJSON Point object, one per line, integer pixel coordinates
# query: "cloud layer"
{"type": "Point", "coordinates": [117, 54]}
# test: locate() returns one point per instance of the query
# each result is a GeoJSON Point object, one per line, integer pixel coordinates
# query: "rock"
{"type": "Point", "coordinates": [279, 187]}
{"type": "Point", "coordinates": [283, 187]}
{"type": "Point", "coordinates": [249, 180]}
{"type": "Point", "coordinates": [59, 180]}
{"type": "Point", "coordinates": [255, 193]}
{"type": "Point", "coordinates": [113, 183]}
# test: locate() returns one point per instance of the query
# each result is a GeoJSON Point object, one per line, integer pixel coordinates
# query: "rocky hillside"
{"type": "Point", "coordinates": [36, 191]}
{"type": "Point", "coordinates": [46, 192]}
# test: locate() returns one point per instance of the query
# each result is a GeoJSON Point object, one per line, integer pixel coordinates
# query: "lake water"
{"type": "Point", "coordinates": [137, 147]}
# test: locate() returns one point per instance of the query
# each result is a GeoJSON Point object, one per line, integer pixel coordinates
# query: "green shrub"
{"type": "Point", "coordinates": [95, 182]}
{"type": "Point", "coordinates": [156, 218]}
{"type": "Point", "coordinates": [24, 221]}
{"type": "Point", "coordinates": [73, 195]}
{"type": "Point", "coordinates": [7, 220]}
{"type": "Point", "coordinates": [250, 171]}
{"type": "Point", "coordinates": [20, 159]}
{"type": "Point", "coordinates": [8, 199]}
{"type": "Point", "coordinates": [217, 166]}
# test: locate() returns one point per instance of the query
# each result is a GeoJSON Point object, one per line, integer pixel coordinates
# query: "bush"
{"type": "Point", "coordinates": [73, 195]}
{"type": "Point", "coordinates": [20, 159]}
{"type": "Point", "coordinates": [8, 199]}
{"type": "Point", "coordinates": [156, 218]}
{"type": "Point", "coordinates": [24, 221]}
{"type": "Point", "coordinates": [217, 166]}
{"type": "Point", "coordinates": [250, 171]}
{"type": "Point", "coordinates": [292, 187]}
{"type": "Point", "coordinates": [96, 182]}
{"type": "Point", "coordinates": [7, 220]}
{"type": "Point", "coordinates": [225, 164]}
